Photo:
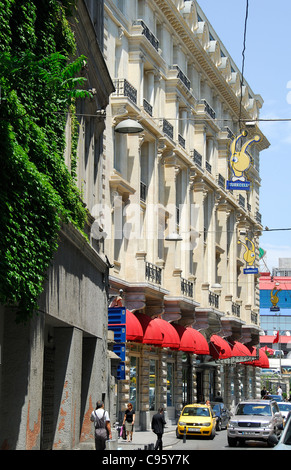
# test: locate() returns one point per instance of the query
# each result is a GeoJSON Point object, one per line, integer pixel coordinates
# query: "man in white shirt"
{"type": "Point", "coordinates": [101, 420]}
{"type": "Point", "coordinates": [280, 392]}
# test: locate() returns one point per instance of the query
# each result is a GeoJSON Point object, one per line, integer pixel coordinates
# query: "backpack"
{"type": "Point", "coordinates": [100, 430]}
{"type": "Point", "coordinates": [100, 422]}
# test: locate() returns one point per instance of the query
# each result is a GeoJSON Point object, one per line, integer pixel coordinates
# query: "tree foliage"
{"type": "Point", "coordinates": [38, 87]}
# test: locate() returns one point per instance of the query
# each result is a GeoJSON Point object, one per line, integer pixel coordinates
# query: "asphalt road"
{"type": "Point", "coordinates": [218, 443]}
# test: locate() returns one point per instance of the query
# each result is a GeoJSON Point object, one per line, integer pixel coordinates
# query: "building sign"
{"type": "Point", "coordinates": [275, 300]}
{"type": "Point", "coordinates": [249, 256]}
{"type": "Point", "coordinates": [240, 162]}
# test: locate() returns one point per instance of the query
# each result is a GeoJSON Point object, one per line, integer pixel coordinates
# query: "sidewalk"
{"type": "Point", "coordinates": [144, 438]}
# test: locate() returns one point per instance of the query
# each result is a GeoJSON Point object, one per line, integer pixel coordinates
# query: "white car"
{"type": "Point", "coordinates": [285, 408]}
{"type": "Point", "coordinates": [285, 439]}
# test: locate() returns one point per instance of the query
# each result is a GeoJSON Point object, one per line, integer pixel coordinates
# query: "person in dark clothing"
{"type": "Point", "coordinates": [158, 423]}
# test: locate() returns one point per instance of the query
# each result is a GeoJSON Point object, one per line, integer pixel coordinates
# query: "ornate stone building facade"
{"type": "Point", "coordinates": [173, 75]}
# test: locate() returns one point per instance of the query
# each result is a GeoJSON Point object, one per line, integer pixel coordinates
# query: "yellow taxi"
{"type": "Point", "coordinates": [196, 420]}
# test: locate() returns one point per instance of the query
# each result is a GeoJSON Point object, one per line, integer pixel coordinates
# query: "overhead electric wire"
{"type": "Point", "coordinates": [243, 61]}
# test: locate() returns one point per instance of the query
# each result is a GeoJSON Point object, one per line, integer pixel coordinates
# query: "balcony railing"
{"type": "Point", "coordinates": [181, 141]}
{"type": "Point", "coordinates": [153, 273]}
{"type": "Point", "coordinates": [208, 109]}
{"type": "Point", "coordinates": [197, 157]}
{"type": "Point", "coordinates": [213, 299]}
{"type": "Point", "coordinates": [124, 88]}
{"type": "Point", "coordinates": [235, 309]}
{"type": "Point", "coordinates": [182, 76]}
{"type": "Point", "coordinates": [168, 129]}
{"type": "Point", "coordinates": [221, 181]}
{"type": "Point", "coordinates": [186, 287]}
{"type": "Point", "coordinates": [208, 167]}
{"type": "Point", "coordinates": [241, 201]}
{"type": "Point", "coordinates": [148, 34]}
{"type": "Point", "coordinates": [147, 107]}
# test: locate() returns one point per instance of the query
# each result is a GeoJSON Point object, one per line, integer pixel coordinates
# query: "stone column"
{"type": "Point", "coordinates": [68, 375]}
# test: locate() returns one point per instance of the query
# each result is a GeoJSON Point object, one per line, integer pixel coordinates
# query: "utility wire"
{"type": "Point", "coordinates": [243, 61]}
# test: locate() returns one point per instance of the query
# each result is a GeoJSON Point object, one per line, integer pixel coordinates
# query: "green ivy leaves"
{"type": "Point", "coordinates": [37, 191]}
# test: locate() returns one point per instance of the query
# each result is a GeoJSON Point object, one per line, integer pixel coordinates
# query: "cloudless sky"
{"type": "Point", "coordinates": [267, 70]}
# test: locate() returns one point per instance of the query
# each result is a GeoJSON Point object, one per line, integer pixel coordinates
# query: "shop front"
{"type": "Point", "coordinates": [167, 364]}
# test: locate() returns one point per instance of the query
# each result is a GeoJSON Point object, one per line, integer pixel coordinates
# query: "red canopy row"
{"type": "Point", "coordinates": [221, 349]}
{"type": "Point", "coordinates": [158, 332]}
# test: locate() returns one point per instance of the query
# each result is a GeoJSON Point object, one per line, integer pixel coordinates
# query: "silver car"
{"type": "Point", "coordinates": [255, 420]}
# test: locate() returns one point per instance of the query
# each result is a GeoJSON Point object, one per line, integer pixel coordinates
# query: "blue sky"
{"type": "Point", "coordinates": [267, 70]}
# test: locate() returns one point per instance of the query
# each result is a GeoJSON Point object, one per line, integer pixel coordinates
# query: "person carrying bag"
{"type": "Point", "coordinates": [101, 421]}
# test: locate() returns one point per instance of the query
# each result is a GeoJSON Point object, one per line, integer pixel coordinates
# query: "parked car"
{"type": "Point", "coordinates": [255, 420]}
{"type": "Point", "coordinates": [222, 415]}
{"type": "Point", "coordinates": [285, 408]}
{"type": "Point", "coordinates": [273, 397]}
{"type": "Point", "coordinates": [284, 442]}
{"type": "Point", "coordinates": [196, 420]}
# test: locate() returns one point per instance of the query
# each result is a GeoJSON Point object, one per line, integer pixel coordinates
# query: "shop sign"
{"type": "Point", "coordinates": [239, 162]}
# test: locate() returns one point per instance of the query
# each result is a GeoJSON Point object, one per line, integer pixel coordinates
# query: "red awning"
{"type": "Point", "coordinates": [219, 348]}
{"type": "Point", "coordinates": [151, 332]}
{"type": "Point", "coordinates": [239, 349]}
{"type": "Point", "coordinates": [263, 360]}
{"type": "Point", "coordinates": [200, 342]}
{"type": "Point", "coordinates": [134, 331]}
{"type": "Point", "coordinates": [170, 336]}
{"type": "Point", "coordinates": [186, 339]}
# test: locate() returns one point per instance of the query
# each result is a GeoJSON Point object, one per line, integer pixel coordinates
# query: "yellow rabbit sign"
{"type": "Point", "coordinates": [240, 161]}
{"type": "Point", "coordinates": [275, 300]}
{"type": "Point", "coordinates": [249, 256]}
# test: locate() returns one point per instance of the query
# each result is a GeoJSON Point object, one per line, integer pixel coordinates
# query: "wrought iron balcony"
{"type": "Point", "coordinates": [182, 76]}
{"type": "Point", "coordinates": [153, 273]}
{"type": "Point", "coordinates": [208, 109]}
{"type": "Point", "coordinates": [221, 181]}
{"type": "Point", "coordinates": [197, 157]}
{"type": "Point", "coordinates": [148, 34]}
{"type": "Point", "coordinates": [241, 201]}
{"type": "Point", "coordinates": [168, 129]}
{"type": "Point", "coordinates": [181, 141]}
{"type": "Point", "coordinates": [208, 167]}
{"type": "Point", "coordinates": [124, 88]}
{"type": "Point", "coordinates": [235, 309]}
{"type": "Point", "coordinates": [186, 287]}
{"type": "Point", "coordinates": [213, 299]}
{"type": "Point", "coordinates": [147, 107]}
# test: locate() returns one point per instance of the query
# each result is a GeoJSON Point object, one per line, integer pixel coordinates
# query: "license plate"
{"type": "Point", "coordinates": [193, 429]}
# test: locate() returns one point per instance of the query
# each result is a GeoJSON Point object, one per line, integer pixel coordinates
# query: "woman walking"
{"type": "Point", "coordinates": [128, 421]}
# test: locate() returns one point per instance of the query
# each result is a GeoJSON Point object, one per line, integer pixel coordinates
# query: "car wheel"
{"type": "Point", "coordinates": [231, 441]}
{"type": "Point", "coordinates": [177, 434]}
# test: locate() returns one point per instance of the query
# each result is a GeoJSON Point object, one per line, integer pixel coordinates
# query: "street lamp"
{"type": "Point", "coordinates": [174, 236]}
{"type": "Point", "coordinates": [129, 126]}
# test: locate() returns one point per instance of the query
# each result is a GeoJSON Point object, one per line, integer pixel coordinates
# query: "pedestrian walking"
{"type": "Point", "coordinates": [280, 392]}
{"type": "Point", "coordinates": [101, 420]}
{"type": "Point", "coordinates": [158, 424]}
{"type": "Point", "coordinates": [128, 421]}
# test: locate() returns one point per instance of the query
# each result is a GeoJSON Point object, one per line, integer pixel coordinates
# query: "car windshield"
{"type": "Point", "coordinates": [196, 411]}
{"type": "Point", "coordinates": [284, 406]}
{"type": "Point", "coordinates": [253, 409]}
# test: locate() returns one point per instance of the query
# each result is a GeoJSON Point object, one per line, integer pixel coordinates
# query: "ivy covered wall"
{"type": "Point", "coordinates": [38, 86]}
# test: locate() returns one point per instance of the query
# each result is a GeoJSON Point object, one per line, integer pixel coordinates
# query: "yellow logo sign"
{"type": "Point", "coordinates": [240, 161]}
{"type": "Point", "coordinates": [249, 256]}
